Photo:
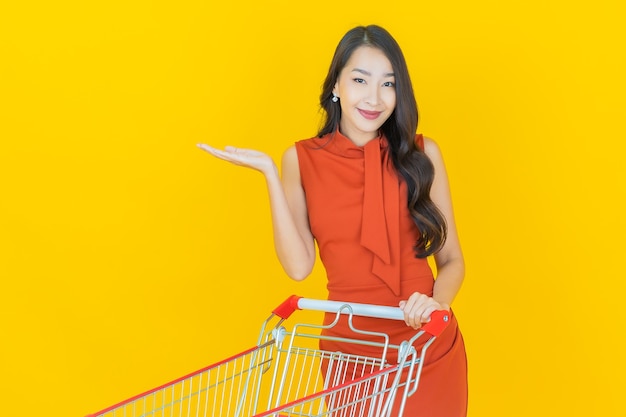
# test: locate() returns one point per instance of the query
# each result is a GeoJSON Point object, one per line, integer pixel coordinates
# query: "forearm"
{"type": "Point", "coordinates": [293, 240]}
{"type": "Point", "coordinates": [449, 281]}
{"type": "Point", "coordinates": [295, 251]}
{"type": "Point", "coordinates": [418, 307]}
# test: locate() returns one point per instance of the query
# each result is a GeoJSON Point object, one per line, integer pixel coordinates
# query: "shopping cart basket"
{"type": "Point", "coordinates": [287, 374]}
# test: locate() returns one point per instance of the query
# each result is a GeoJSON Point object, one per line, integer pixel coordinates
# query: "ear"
{"type": "Point", "coordinates": [335, 88]}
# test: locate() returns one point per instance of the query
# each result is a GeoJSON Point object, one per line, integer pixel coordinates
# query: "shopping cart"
{"type": "Point", "coordinates": [287, 374]}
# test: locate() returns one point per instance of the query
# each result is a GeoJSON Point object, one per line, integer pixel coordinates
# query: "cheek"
{"type": "Point", "coordinates": [390, 99]}
{"type": "Point", "coordinates": [347, 93]}
{"type": "Point", "coordinates": [348, 98]}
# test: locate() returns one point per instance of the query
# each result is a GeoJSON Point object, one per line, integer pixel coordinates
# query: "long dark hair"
{"type": "Point", "coordinates": [410, 161]}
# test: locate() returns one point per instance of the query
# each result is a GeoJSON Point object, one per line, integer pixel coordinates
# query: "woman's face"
{"type": "Point", "coordinates": [367, 94]}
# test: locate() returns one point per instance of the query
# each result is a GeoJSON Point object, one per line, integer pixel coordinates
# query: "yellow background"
{"type": "Point", "coordinates": [128, 257]}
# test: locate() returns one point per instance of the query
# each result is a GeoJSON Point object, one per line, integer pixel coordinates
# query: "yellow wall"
{"type": "Point", "coordinates": [128, 257]}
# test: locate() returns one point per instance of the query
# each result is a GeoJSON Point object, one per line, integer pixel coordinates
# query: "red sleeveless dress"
{"type": "Point", "coordinates": [358, 214]}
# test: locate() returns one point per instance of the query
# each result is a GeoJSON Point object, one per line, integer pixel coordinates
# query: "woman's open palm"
{"type": "Point", "coordinates": [244, 157]}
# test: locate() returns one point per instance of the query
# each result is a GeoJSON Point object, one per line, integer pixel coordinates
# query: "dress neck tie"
{"type": "Point", "coordinates": [380, 227]}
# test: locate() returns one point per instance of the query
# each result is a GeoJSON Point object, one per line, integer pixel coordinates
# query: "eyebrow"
{"type": "Point", "coordinates": [362, 71]}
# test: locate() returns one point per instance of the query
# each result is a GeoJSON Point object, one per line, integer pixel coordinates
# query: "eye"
{"type": "Point", "coordinates": [359, 80]}
{"type": "Point", "coordinates": [389, 84]}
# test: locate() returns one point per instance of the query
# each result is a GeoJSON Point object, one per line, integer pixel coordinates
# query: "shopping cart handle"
{"type": "Point", "coordinates": [287, 307]}
{"type": "Point", "coordinates": [438, 320]}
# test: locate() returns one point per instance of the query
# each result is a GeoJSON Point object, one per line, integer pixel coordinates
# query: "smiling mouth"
{"type": "Point", "coordinates": [370, 115]}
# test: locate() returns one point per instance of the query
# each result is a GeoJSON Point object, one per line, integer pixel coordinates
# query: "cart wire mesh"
{"type": "Point", "coordinates": [286, 374]}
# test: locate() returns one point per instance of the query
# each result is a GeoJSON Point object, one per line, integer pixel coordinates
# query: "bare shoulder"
{"type": "Point", "coordinates": [432, 150]}
{"type": "Point", "coordinates": [289, 163]}
{"type": "Point", "coordinates": [290, 156]}
{"type": "Point", "coordinates": [290, 152]}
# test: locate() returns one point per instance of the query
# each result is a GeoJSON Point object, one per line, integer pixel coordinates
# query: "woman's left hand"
{"type": "Point", "coordinates": [418, 308]}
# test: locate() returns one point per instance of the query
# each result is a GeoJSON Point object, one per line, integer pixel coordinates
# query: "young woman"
{"type": "Point", "coordinates": [375, 198]}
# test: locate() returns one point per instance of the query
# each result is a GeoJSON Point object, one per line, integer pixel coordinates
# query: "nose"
{"type": "Point", "coordinates": [373, 96]}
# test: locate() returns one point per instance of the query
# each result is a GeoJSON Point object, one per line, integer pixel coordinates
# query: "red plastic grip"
{"type": "Point", "coordinates": [438, 322]}
{"type": "Point", "coordinates": [287, 308]}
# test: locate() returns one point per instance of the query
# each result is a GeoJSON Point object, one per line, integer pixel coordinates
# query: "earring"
{"type": "Point", "coordinates": [335, 98]}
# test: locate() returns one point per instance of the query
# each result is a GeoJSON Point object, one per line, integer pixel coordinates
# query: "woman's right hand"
{"type": "Point", "coordinates": [293, 240]}
{"type": "Point", "coordinates": [243, 157]}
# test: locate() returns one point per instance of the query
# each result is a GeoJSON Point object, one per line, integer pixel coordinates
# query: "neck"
{"type": "Point", "coordinates": [358, 138]}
